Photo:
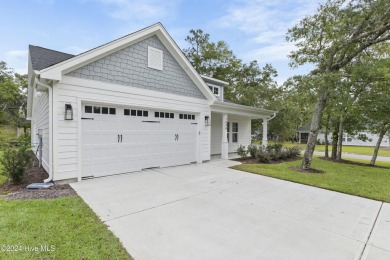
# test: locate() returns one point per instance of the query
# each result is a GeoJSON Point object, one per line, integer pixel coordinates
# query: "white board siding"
{"type": "Point", "coordinates": [72, 90]}
{"type": "Point", "coordinates": [374, 139]}
{"type": "Point", "coordinates": [244, 132]}
{"type": "Point", "coordinates": [40, 120]}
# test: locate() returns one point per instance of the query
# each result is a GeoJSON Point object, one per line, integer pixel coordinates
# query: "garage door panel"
{"type": "Point", "coordinates": [159, 143]}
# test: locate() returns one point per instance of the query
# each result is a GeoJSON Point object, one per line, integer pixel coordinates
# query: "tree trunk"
{"type": "Point", "coordinates": [326, 136]}
{"type": "Point", "coordinates": [340, 140]}
{"type": "Point", "coordinates": [314, 128]}
{"type": "Point", "coordinates": [335, 138]}
{"type": "Point", "coordinates": [378, 144]}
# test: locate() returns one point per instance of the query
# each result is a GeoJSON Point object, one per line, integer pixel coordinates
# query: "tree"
{"type": "Point", "coordinates": [248, 83]}
{"type": "Point", "coordinates": [11, 95]}
{"type": "Point", "coordinates": [209, 58]}
{"type": "Point", "coordinates": [339, 32]}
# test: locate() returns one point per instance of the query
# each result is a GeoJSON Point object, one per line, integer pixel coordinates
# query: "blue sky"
{"type": "Point", "coordinates": [254, 30]}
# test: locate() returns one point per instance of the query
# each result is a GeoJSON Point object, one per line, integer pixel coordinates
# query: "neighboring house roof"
{"type": "Point", "coordinates": [305, 127]}
{"type": "Point", "coordinates": [214, 81]}
{"type": "Point", "coordinates": [42, 58]}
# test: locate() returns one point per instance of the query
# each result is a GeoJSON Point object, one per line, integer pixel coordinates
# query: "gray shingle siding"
{"type": "Point", "coordinates": [129, 67]}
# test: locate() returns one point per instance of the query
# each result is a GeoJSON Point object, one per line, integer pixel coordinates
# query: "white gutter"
{"type": "Point", "coordinates": [50, 89]}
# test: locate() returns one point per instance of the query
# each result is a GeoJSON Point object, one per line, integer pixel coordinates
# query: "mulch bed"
{"type": "Point", "coordinates": [34, 175]}
{"type": "Point", "coordinates": [255, 161]}
{"type": "Point", "coordinates": [353, 163]}
{"type": "Point", "coordinates": [299, 169]}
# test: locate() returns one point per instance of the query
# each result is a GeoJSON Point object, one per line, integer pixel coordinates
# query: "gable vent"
{"type": "Point", "coordinates": [155, 58]}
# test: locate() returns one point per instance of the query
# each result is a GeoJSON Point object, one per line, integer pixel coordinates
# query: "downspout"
{"type": "Point", "coordinates": [50, 90]}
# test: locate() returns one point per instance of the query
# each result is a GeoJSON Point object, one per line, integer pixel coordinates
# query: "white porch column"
{"type": "Point", "coordinates": [225, 144]}
{"type": "Point", "coordinates": [265, 131]}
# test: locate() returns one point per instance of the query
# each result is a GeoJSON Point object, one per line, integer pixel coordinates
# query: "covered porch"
{"type": "Point", "coordinates": [231, 127]}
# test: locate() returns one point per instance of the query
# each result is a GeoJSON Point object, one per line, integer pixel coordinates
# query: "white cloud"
{"type": "Point", "coordinates": [140, 11]}
{"type": "Point", "coordinates": [265, 21]}
{"type": "Point", "coordinates": [275, 52]}
{"type": "Point", "coordinates": [17, 60]}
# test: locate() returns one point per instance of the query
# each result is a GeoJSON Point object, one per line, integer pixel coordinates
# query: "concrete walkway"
{"type": "Point", "coordinates": [209, 211]}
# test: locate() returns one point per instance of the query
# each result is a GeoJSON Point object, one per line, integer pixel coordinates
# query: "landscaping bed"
{"type": "Point", "coordinates": [34, 175]}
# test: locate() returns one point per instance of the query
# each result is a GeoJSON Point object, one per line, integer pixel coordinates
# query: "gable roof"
{"type": "Point", "coordinates": [57, 70]}
{"type": "Point", "coordinates": [42, 58]}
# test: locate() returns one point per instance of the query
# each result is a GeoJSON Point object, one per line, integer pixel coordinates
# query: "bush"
{"type": "Point", "coordinates": [275, 147]}
{"type": "Point", "coordinates": [294, 152]}
{"type": "Point", "coordinates": [276, 152]}
{"type": "Point", "coordinates": [242, 152]}
{"type": "Point", "coordinates": [15, 161]}
{"type": "Point", "coordinates": [263, 156]}
{"type": "Point", "coordinates": [252, 150]}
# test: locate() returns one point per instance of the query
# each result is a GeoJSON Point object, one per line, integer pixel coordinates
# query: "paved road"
{"type": "Point", "coordinates": [358, 156]}
{"type": "Point", "coordinates": [209, 211]}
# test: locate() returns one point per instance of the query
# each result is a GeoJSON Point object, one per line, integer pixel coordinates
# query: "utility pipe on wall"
{"type": "Point", "coordinates": [37, 82]}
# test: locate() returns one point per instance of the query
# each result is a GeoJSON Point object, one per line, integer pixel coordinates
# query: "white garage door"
{"type": "Point", "coordinates": [124, 139]}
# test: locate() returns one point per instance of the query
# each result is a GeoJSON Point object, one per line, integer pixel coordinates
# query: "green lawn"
{"type": "Point", "coordinates": [66, 223]}
{"type": "Point", "coordinates": [368, 182]}
{"type": "Point", "coordinates": [365, 150]}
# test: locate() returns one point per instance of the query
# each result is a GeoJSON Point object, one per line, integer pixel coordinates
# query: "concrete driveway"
{"type": "Point", "coordinates": [208, 211]}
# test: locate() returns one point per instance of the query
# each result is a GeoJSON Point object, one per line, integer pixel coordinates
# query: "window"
{"type": "Point", "coordinates": [349, 139]}
{"type": "Point", "coordinates": [187, 116]}
{"type": "Point", "coordinates": [362, 136]}
{"type": "Point", "coordinates": [164, 115]}
{"type": "Point", "coordinates": [133, 112]}
{"type": "Point", "coordinates": [155, 58]}
{"type": "Point", "coordinates": [228, 130]}
{"type": "Point", "coordinates": [234, 132]}
{"type": "Point", "coordinates": [88, 109]}
{"type": "Point", "coordinates": [215, 90]}
{"type": "Point", "coordinates": [100, 110]}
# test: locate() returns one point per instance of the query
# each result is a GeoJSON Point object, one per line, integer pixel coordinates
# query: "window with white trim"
{"type": "Point", "coordinates": [234, 132]}
{"type": "Point", "coordinates": [216, 90]}
{"type": "Point", "coordinates": [228, 130]}
{"type": "Point", "coordinates": [155, 58]}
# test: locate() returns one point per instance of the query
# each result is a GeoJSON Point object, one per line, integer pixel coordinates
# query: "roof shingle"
{"type": "Point", "coordinates": [42, 58]}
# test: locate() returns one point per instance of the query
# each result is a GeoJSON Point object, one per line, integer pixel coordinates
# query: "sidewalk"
{"type": "Point", "coordinates": [357, 156]}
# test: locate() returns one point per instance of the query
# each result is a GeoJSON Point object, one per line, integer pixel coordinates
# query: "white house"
{"type": "Point", "coordinates": [130, 104]}
{"type": "Point", "coordinates": [357, 140]}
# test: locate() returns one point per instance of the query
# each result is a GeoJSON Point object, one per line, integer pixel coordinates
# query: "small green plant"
{"type": "Point", "coordinates": [293, 152]}
{"type": "Point", "coordinates": [252, 150]}
{"type": "Point", "coordinates": [16, 160]}
{"type": "Point", "coordinates": [263, 156]}
{"type": "Point", "coordinates": [242, 152]}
